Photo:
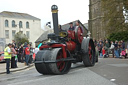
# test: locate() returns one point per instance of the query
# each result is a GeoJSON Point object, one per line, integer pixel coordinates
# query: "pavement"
{"type": "Point", "coordinates": [21, 66]}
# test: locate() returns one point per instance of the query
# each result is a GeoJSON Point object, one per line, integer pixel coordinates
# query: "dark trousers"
{"type": "Point", "coordinates": [7, 65]}
{"type": "Point", "coordinates": [26, 59]}
{"type": "Point", "coordinates": [16, 64]}
{"type": "Point", "coordinates": [13, 62]}
{"type": "Point", "coordinates": [113, 53]}
{"type": "Point", "coordinates": [30, 59]}
{"type": "Point", "coordinates": [19, 58]}
{"type": "Point", "coordinates": [22, 57]}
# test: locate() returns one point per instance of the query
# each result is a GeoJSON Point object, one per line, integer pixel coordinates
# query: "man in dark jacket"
{"type": "Point", "coordinates": [71, 26]}
{"type": "Point", "coordinates": [123, 45]}
{"type": "Point", "coordinates": [107, 48]}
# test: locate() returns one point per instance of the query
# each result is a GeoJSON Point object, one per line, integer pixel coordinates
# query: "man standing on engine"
{"type": "Point", "coordinates": [71, 26]}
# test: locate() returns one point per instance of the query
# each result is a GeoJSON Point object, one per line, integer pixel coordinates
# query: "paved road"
{"type": "Point", "coordinates": [107, 72]}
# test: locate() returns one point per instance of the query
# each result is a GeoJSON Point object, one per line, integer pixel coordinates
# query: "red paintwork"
{"type": "Point", "coordinates": [1, 57]}
{"type": "Point", "coordinates": [90, 49]}
{"type": "Point", "coordinates": [71, 45]}
{"type": "Point", "coordinates": [80, 35]}
{"type": "Point", "coordinates": [55, 46]}
{"type": "Point", "coordinates": [60, 64]}
{"type": "Point", "coordinates": [71, 34]}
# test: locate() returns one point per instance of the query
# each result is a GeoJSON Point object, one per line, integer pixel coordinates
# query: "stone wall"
{"type": "Point", "coordinates": [95, 19]}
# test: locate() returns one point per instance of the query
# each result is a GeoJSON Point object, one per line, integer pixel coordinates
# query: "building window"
{"type": "Point", "coordinates": [28, 34]}
{"type": "Point", "coordinates": [20, 24]}
{"type": "Point", "coordinates": [13, 23]}
{"type": "Point", "coordinates": [27, 24]}
{"type": "Point", "coordinates": [6, 33]}
{"type": "Point", "coordinates": [6, 23]}
{"type": "Point", "coordinates": [13, 33]}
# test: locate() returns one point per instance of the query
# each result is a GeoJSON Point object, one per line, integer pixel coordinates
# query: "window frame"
{"type": "Point", "coordinates": [20, 24]}
{"type": "Point", "coordinates": [8, 34]}
{"type": "Point", "coordinates": [27, 24]}
{"type": "Point", "coordinates": [13, 24]}
{"type": "Point", "coordinates": [28, 34]}
{"type": "Point", "coordinates": [14, 34]}
{"type": "Point", "coordinates": [6, 23]}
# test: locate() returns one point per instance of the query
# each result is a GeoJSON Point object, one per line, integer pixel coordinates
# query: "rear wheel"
{"type": "Point", "coordinates": [78, 34]}
{"type": "Point", "coordinates": [88, 49]}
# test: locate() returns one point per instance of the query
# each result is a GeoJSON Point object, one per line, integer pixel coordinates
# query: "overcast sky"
{"type": "Point", "coordinates": [69, 10]}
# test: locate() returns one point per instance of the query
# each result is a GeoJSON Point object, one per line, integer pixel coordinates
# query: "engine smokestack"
{"type": "Point", "coordinates": [54, 10]}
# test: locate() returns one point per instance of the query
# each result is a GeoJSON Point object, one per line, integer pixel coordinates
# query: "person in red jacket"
{"type": "Point", "coordinates": [103, 51]}
{"type": "Point", "coordinates": [27, 52]}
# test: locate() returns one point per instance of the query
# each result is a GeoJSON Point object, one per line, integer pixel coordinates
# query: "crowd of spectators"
{"type": "Point", "coordinates": [118, 49]}
{"type": "Point", "coordinates": [24, 54]}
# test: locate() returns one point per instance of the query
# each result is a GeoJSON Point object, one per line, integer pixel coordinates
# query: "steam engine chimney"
{"type": "Point", "coordinates": [54, 10]}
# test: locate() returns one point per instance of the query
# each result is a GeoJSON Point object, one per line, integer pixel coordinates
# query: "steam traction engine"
{"type": "Point", "coordinates": [64, 48]}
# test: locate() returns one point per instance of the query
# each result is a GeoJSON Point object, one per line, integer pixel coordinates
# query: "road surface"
{"type": "Point", "coordinates": [108, 71]}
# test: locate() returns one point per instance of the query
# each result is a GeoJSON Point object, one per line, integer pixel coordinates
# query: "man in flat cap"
{"type": "Point", "coordinates": [71, 26]}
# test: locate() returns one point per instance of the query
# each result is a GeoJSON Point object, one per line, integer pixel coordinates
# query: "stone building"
{"type": "Point", "coordinates": [99, 27]}
{"type": "Point", "coordinates": [95, 19]}
{"type": "Point", "coordinates": [13, 22]}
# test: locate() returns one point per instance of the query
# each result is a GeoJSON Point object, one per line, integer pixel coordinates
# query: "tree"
{"type": "Point", "coordinates": [115, 15]}
{"type": "Point", "coordinates": [119, 36]}
{"type": "Point", "coordinates": [20, 38]}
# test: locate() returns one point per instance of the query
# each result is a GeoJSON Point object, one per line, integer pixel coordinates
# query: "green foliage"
{"type": "Point", "coordinates": [113, 17]}
{"type": "Point", "coordinates": [20, 38]}
{"type": "Point", "coordinates": [118, 36]}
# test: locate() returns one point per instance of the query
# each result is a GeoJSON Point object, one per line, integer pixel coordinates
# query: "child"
{"type": "Point", "coordinates": [103, 52]}
{"type": "Point", "coordinates": [123, 54]}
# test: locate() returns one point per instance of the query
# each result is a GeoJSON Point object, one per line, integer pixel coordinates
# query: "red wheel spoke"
{"type": "Point", "coordinates": [90, 51]}
{"type": "Point", "coordinates": [60, 64]}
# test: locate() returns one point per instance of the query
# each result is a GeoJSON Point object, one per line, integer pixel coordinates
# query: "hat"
{"type": "Point", "coordinates": [9, 44]}
{"type": "Point", "coordinates": [70, 23]}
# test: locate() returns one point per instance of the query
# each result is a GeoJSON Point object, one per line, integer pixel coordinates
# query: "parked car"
{"type": "Point", "coordinates": [2, 57]}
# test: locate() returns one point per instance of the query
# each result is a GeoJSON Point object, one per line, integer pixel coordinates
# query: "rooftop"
{"type": "Point", "coordinates": [66, 26]}
{"type": "Point", "coordinates": [17, 15]}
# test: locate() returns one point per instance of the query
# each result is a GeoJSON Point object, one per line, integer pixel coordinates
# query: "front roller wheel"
{"type": "Point", "coordinates": [60, 67]}
{"type": "Point", "coordinates": [42, 68]}
{"type": "Point", "coordinates": [88, 49]}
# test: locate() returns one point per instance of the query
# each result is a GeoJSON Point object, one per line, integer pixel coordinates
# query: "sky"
{"type": "Point", "coordinates": [69, 10]}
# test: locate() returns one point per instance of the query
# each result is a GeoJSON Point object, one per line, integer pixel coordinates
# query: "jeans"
{"type": "Point", "coordinates": [26, 59]}
{"type": "Point", "coordinates": [119, 51]}
{"type": "Point", "coordinates": [7, 65]}
{"type": "Point", "coordinates": [116, 53]}
{"type": "Point", "coordinates": [101, 55]}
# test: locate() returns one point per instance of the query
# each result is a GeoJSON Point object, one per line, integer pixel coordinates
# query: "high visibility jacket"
{"type": "Point", "coordinates": [6, 54]}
